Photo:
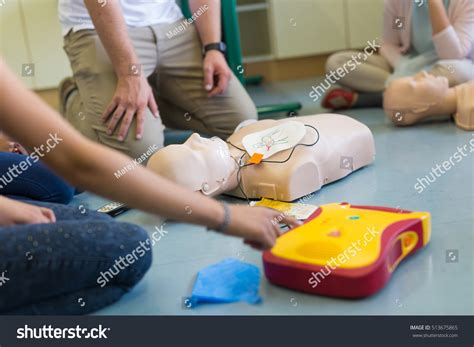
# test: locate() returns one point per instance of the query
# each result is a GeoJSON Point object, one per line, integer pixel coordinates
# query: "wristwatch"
{"type": "Point", "coordinates": [217, 46]}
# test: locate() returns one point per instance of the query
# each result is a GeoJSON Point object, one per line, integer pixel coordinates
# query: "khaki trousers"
{"type": "Point", "coordinates": [174, 69]}
{"type": "Point", "coordinates": [370, 76]}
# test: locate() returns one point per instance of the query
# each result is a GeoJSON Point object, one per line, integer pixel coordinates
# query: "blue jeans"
{"type": "Point", "coordinates": [55, 268]}
{"type": "Point", "coordinates": [36, 182]}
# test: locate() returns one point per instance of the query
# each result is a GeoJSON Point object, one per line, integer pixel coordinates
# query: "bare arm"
{"type": "Point", "coordinates": [452, 37]}
{"type": "Point", "coordinates": [27, 119]}
{"type": "Point", "coordinates": [216, 70]}
{"type": "Point", "coordinates": [391, 43]}
{"type": "Point", "coordinates": [92, 166]}
{"type": "Point", "coordinates": [110, 26]}
{"type": "Point", "coordinates": [133, 94]}
{"type": "Point", "coordinates": [209, 23]}
{"type": "Point", "coordinates": [438, 16]}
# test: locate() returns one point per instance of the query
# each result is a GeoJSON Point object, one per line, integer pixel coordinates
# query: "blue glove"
{"type": "Point", "coordinates": [228, 281]}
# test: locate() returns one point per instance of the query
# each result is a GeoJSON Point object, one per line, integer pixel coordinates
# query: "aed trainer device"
{"type": "Point", "coordinates": [345, 250]}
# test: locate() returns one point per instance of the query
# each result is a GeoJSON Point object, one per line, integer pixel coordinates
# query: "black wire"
{"type": "Point", "coordinates": [240, 149]}
{"type": "Point", "coordinates": [239, 175]}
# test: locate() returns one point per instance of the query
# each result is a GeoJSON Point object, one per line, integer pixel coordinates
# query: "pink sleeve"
{"type": "Point", "coordinates": [455, 42]}
{"type": "Point", "coordinates": [391, 39]}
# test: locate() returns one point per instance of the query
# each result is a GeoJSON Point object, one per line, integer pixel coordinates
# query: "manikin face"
{"type": "Point", "coordinates": [198, 164]}
{"type": "Point", "coordinates": [409, 99]}
{"type": "Point", "coordinates": [415, 94]}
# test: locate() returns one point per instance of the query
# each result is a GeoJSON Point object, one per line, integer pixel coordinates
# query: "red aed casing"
{"type": "Point", "coordinates": [345, 250]}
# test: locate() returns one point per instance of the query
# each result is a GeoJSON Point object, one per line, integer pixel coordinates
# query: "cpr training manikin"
{"type": "Point", "coordinates": [305, 154]}
{"type": "Point", "coordinates": [410, 100]}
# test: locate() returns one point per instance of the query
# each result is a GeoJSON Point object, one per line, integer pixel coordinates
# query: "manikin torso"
{"type": "Point", "coordinates": [464, 116]}
{"type": "Point", "coordinates": [211, 165]}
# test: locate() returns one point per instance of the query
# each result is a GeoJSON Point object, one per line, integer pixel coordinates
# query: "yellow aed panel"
{"type": "Point", "coordinates": [350, 235]}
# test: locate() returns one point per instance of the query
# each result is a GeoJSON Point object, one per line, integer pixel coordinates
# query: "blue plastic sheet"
{"type": "Point", "coordinates": [227, 281]}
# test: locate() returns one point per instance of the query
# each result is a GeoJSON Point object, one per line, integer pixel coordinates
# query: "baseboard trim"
{"type": "Point", "coordinates": [288, 69]}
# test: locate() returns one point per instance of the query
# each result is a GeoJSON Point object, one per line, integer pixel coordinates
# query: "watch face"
{"type": "Point", "coordinates": [219, 46]}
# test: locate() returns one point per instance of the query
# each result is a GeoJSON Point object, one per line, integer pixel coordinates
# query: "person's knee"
{"type": "Point", "coordinates": [64, 193]}
{"type": "Point", "coordinates": [245, 111]}
{"type": "Point", "coordinates": [142, 149]}
{"type": "Point", "coordinates": [456, 71]}
{"type": "Point", "coordinates": [136, 253]}
{"type": "Point", "coordinates": [142, 252]}
{"type": "Point", "coordinates": [335, 61]}
{"type": "Point", "coordinates": [239, 109]}
{"type": "Point", "coordinates": [59, 191]}
{"type": "Point", "coordinates": [232, 119]}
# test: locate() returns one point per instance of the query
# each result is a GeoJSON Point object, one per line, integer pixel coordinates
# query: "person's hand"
{"type": "Point", "coordinates": [258, 226]}
{"type": "Point", "coordinates": [216, 73]}
{"type": "Point", "coordinates": [7, 145]}
{"type": "Point", "coordinates": [19, 149]}
{"type": "Point", "coordinates": [14, 212]}
{"type": "Point", "coordinates": [131, 99]}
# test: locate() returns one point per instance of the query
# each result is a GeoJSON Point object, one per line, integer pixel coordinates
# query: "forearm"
{"type": "Point", "coordinates": [27, 119]}
{"type": "Point", "coordinates": [112, 30]}
{"type": "Point", "coordinates": [438, 16]}
{"type": "Point", "coordinates": [209, 23]}
{"type": "Point", "coordinates": [139, 188]}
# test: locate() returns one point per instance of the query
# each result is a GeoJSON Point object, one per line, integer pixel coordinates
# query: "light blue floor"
{"type": "Point", "coordinates": [424, 284]}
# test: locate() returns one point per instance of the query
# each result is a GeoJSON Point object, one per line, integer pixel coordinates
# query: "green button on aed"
{"type": "Point", "coordinates": [354, 217]}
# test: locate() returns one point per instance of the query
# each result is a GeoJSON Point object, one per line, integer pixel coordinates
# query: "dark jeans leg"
{"type": "Point", "coordinates": [35, 182]}
{"type": "Point", "coordinates": [73, 213]}
{"type": "Point", "coordinates": [55, 268]}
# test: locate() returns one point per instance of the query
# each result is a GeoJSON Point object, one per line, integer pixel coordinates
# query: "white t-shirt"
{"type": "Point", "coordinates": [73, 14]}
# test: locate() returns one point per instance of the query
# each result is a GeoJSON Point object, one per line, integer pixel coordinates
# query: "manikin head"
{"type": "Point", "coordinates": [200, 164]}
{"type": "Point", "coordinates": [408, 99]}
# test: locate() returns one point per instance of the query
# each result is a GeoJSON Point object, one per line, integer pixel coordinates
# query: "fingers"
{"type": "Point", "coordinates": [223, 81]}
{"type": "Point", "coordinates": [109, 110]}
{"type": "Point", "coordinates": [256, 245]}
{"type": "Point", "coordinates": [11, 147]}
{"type": "Point", "coordinates": [153, 105]}
{"type": "Point", "coordinates": [127, 120]}
{"type": "Point", "coordinates": [48, 214]}
{"type": "Point", "coordinates": [140, 123]}
{"type": "Point", "coordinates": [19, 149]}
{"type": "Point", "coordinates": [277, 232]}
{"type": "Point", "coordinates": [292, 222]}
{"type": "Point", "coordinates": [269, 237]}
{"type": "Point", "coordinates": [208, 78]}
{"type": "Point", "coordinates": [118, 114]}
{"type": "Point", "coordinates": [37, 215]}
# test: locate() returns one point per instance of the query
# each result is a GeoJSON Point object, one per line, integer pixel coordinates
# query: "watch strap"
{"type": "Point", "coordinates": [216, 46]}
